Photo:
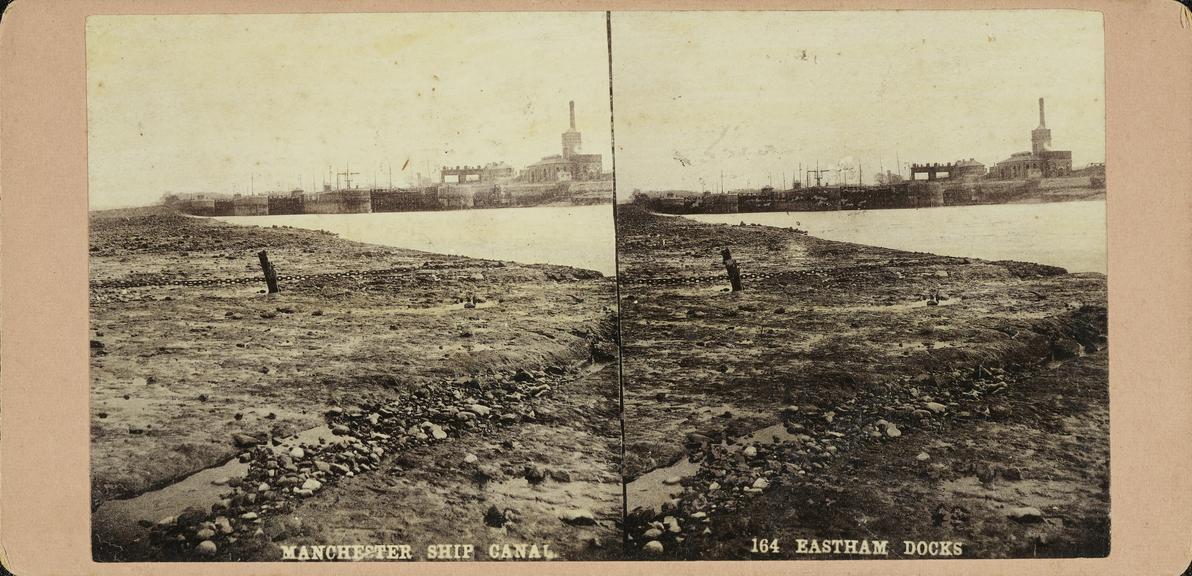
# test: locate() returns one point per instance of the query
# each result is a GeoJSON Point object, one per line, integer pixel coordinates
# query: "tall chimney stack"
{"type": "Point", "coordinates": [573, 111]}
{"type": "Point", "coordinates": [1042, 121]}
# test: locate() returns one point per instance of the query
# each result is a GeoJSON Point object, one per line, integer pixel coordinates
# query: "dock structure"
{"type": "Point", "coordinates": [569, 176]}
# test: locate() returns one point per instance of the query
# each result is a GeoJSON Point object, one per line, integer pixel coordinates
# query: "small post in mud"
{"type": "Point", "coordinates": [270, 273]}
{"type": "Point", "coordinates": [734, 273]}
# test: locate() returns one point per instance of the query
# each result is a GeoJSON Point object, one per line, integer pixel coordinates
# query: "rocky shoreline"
{"type": "Point", "coordinates": [901, 396]}
{"type": "Point", "coordinates": [849, 392]}
{"type": "Point", "coordinates": [427, 368]}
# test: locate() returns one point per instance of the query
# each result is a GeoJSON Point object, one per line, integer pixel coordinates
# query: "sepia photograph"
{"type": "Point", "coordinates": [862, 273]}
{"type": "Point", "coordinates": [352, 288]}
{"type": "Point", "coordinates": [359, 286]}
{"type": "Point", "coordinates": [368, 287]}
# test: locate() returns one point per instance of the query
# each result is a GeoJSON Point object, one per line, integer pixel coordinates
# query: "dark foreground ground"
{"type": "Point", "coordinates": [449, 400]}
{"type": "Point", "coordinates": [982, 420]}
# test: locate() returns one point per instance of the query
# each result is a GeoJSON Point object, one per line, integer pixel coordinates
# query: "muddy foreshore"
{"type": "Point", "coordinates": [981, 419]}
{"type": "Point", "coordinates": [445, 399]}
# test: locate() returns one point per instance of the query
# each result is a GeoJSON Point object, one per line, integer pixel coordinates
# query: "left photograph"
{"type": "Point", "coordinates": [352, 288]}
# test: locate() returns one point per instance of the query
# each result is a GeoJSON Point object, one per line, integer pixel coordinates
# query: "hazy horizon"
{"type": "Point", "coordinates": [754, 94]}
{"type": "Point", "coordinates": [233, 103]}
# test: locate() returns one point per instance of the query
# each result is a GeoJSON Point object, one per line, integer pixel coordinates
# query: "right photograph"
{"type": "Point", "coordinates": [862, 282]}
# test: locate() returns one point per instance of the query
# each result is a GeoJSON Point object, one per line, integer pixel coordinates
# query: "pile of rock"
{"type": "Point", "coordinates": [360, 438]}
{"type": "Point", "coordinates": [732, 473]}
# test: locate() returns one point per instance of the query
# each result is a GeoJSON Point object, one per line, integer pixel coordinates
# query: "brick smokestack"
{"type": "Point", "coordinates": [1042, 120]}
{"type": "Point", "coordinates": [572, 103]}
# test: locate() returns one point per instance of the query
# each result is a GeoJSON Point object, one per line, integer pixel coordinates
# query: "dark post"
{"type": "Point", "coordinates": [270, 273]}
{"type": "Point", "coordinates": [734, 273]}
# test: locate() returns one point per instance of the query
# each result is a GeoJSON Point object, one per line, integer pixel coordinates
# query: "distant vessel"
{"type": "Point", "coordinates": [570, 178]}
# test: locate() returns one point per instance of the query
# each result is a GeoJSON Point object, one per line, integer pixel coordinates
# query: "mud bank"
{"type": "Point", "coordinates": [981, 419]}
{"type": "Point", "coordinates": [431, 373]}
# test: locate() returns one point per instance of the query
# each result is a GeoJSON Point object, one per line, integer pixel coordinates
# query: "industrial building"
{"type": "Point", "coordinates": [571, 164]}
{"type": "Point", "coordinates": [956, 170]}
{"type": "Point", "coordinates": [1040, 162]}
{"type": "Point", "coordinates": [491, 172]}
{"type": "Point", "coordinates": [570, 176]}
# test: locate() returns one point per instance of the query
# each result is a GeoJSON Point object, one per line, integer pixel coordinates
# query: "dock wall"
{"type": "Point", "coordinates": [441, 196]}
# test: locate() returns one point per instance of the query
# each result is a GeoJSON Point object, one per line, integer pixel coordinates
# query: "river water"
{"type": "Point", "coordinates": [1071, 235]}
{"type": "Point", "coordinates": [579, 236]}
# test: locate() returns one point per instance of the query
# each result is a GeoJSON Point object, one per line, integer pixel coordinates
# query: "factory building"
{"type": "Point", "coordinates": [1040, 162]}
{"type": "Point", "coordinates": [956, 170]}
{"type": "Point", "coordinates": [570, 165]}
{"type": "Point", "coordinates": [491, 172]}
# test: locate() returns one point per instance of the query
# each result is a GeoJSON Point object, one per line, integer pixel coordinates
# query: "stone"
{"type": "Point", "coordinates": [206, 548]}
{"type": "Point", "coordinates": [340, 430]}
{"type": "Point", "coordinates": [223, 525]}
{"type": "Point", "coordinates": [221, 481]}
{"type": "Point", "coordinates": [578, 517]}
{"type": "Point", "coordinates": [297, 453]}
{"type": "Point", "coordinates": [893, 431]}
{"type": "Point", "coordinates": [653, 533]}
{"type": "Point", "coordinates": [190, 516]}
{"type": "Point", "coordinates": [653, 547]}
{"type": "Point", "coordinates": [248, 516]}
{"type": "Point", "coordinates": [750, 451]}
{"type": "Point", "coordinates": [935, 407]}
{"type": "Point", "coordinates": [470, 458]}
{"type": "Point", "coordinates": [923, 457]}
{"type": "Point", "coordinates": [672, 524]}
{"type": "Point", "coordinates": [374, 418]}
{"type": "Point", "coordinates": [534, 474]}
{"type": "Point", "coordinates": [1066, 348]}
{"type": "Point", "coordinates": [322, 466]}
{"type": "Point", "coordinates": [438, 433]}
{"type": "Point", "coordinates": [713, 486]}
{"type": "Point", "coordinates": [480, 409]}
{"type": "Point", "coordinates": [494, 517]}
{"type": "Point", "coordinates": [1025, 514]}
{"type": "Point", "coordinates": [245, 440]}
{"type": "Point", "coordinates": [311, 484]}
{"type": "Point", "coordinates": [673, 480]}
{"type": "Point", "coordinates": [761, 484]}
{"type": "Point", "coordinates": [560, 475]}
{"type": "Point", "coordinates": [205, 534]}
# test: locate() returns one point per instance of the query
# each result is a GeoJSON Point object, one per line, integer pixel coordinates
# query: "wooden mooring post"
{"type": "Point", "coordinates": [270, 273]}
{"type": "Point", "coordinates": [730, 266]}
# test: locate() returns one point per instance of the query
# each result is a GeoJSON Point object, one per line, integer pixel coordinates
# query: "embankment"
{"type": "Point", "coordinates": [376, 340]}
{"type": "Point", "coordinates": [892, 418]}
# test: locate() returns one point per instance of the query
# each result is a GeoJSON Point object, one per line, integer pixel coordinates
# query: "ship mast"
{"type": "Point", "coordinates": [347, 174]}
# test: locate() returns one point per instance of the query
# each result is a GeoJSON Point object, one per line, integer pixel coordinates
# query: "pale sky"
{"type": "Point", "coordinates": [212, 103]}
{"type": "Point", "coordinates": [754, 94]}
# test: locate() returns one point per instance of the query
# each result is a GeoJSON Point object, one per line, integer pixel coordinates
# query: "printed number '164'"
{"type": "Point", "coordinates": [765, 546]}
